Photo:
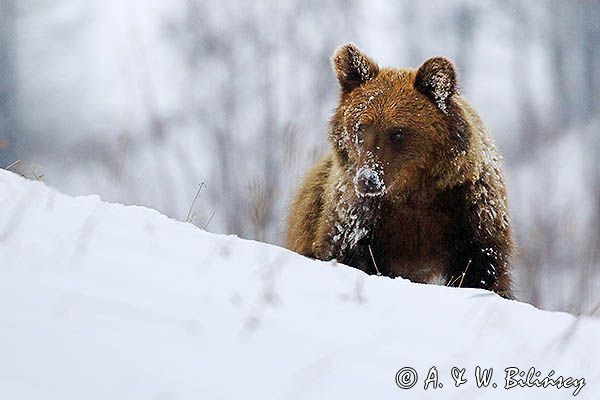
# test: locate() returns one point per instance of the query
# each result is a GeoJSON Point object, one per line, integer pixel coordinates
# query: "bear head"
{"type": "Point", "coordinates": [398, 132]}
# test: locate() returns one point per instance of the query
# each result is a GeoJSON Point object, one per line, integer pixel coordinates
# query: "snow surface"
{"type": "Point", "coordinates": [103, 301]}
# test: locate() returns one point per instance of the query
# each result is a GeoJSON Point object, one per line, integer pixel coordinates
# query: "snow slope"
{"type": "Point", "coordinates": [103, 301]}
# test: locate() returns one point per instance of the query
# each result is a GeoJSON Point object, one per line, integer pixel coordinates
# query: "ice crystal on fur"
{"type": "Point", "coordinates": [352, 117]}
{"type": "Point", "coordinates": [442, 86]}
{"type": "Point", "coordinates": [360, 64]}
{"type": "Point", "coordinates": [354, 219]}
{"type": "Point", "coordinates": [373, 175]}
{"type": "Point", "coordinates": [373, 172]}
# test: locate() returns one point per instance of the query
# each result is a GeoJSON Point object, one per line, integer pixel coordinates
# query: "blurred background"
{"type": "Point", "coordinates": [211, 111]}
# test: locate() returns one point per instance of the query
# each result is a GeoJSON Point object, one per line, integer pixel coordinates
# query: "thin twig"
{"type": "Point", "coordinates": [209, 219]}
{"type": "Point", "coordinates": [373, 258]}
{"type": "Point", "coordinates": [595, 310]}
{"type": "Point", "coordinates": [190, 217]}
{"type": "Point", "coordinates": [463, 274]}
{"type": "Point", "coordinates": [13, 164]}
{"type": "Point", "coordinates": [452, 280]}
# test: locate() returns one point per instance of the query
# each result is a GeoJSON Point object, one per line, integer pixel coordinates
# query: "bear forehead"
{"type": "Point", "coordinates": [390, 98]}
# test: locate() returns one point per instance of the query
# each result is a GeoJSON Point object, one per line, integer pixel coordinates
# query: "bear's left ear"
{"type": "Point", "coordinates": [436, 79]}
{"type": "Point", "coordinates": [352, 67]}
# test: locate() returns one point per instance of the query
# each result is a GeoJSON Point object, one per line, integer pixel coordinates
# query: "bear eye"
{"type": "Point", "coordinates": [397, 135]}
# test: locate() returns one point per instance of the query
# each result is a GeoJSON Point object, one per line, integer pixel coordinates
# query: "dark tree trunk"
{"type": "Point", "coordinates": [591, 56]}
{"type": "Point", "coordinates": [559, 59]}
{"type": "Point", "coordinates": [9, 144]}
{"type": "Point", "coordinates": [464, 20]}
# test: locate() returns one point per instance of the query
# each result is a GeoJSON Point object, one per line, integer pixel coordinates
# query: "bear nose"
{"type": "Point", "coordinates": [368, 182]}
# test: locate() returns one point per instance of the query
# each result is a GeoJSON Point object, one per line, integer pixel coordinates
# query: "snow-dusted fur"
{"type": "Point", "coordinates": [412, 186]}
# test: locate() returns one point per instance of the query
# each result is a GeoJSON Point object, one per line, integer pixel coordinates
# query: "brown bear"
{"type": "Point", "coordinates": [412, 186]}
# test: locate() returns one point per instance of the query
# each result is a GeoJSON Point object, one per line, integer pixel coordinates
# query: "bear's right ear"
{"type": "Point", "coordinates": [352, 67]}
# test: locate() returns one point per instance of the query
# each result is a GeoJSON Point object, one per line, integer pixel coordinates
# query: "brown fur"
{"type": "Point", "coordinates": [413, 178]}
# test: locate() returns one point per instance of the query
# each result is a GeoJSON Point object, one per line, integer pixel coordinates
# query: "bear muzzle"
{"type": "Point", "coordinates": [368, 182]}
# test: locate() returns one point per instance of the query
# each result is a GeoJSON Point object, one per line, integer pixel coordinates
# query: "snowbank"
{"type": "Point", "coordinates": [103, 301]}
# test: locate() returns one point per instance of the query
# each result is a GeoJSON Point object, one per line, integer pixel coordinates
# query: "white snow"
{"type": "Point", "coordinates": [103, 301]}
